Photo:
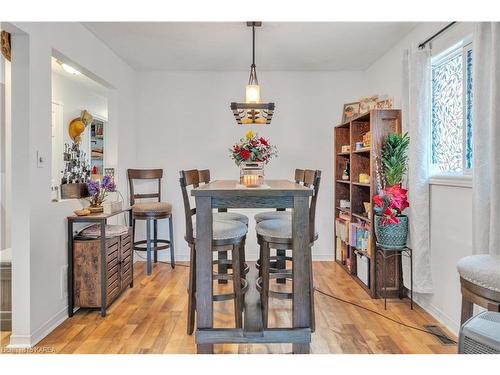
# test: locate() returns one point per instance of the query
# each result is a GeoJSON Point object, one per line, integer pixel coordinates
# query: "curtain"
{"type": "Point", "coordinates": [416, 110]}
{"type": "Point", "coordinates": [486, 139]}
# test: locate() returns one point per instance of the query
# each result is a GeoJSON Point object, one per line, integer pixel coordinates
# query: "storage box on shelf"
{"type": "Point", "coordinates": [364, 136]}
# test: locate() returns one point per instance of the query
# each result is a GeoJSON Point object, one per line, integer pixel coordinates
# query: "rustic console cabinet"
{"type": "Point", "coordinates": [99, 270]}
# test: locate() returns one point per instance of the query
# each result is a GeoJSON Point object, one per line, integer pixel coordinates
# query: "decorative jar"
{"type": "Point", "coordinates": [252, 174]}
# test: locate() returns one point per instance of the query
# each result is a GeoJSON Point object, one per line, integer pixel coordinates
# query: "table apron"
{"type": "Point", "coordinates": [253, 202]}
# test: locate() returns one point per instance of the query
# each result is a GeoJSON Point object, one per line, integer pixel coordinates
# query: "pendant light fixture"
{"type": "Point", "coordinates": [253, 111]}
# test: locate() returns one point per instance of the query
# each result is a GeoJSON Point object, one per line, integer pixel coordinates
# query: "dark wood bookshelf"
{"type": "Point", "coordinates": [379, 122]}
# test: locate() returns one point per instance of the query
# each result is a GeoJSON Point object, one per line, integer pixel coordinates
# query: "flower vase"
{"type": "Point", "coordinates": [95, 209]}
{"type": "Point", "coordinates": [391, 236]}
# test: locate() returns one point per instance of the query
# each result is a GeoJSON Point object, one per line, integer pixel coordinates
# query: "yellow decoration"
{"type": "Point", "coordinates": [77, 125]}
{"type": "Point", "coordinates": [249, 134]}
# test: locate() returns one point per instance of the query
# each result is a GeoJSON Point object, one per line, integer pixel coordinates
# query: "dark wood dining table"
{"type": "Point", "coordinates": [273, 194]}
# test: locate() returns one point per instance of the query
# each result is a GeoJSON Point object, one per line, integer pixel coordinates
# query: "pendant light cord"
{"type": "Point", "coordinates": [253, 46]}
{"type": "Point", "coordinates": [252, 80]}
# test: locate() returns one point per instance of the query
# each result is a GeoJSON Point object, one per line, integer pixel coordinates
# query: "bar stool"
{"type": "Point", "coordinates": [151, 211]}
{"type": "Point", "coordinates": [480, 283]}
{"type": "Point", "coordinates": [279, 260]}
{"type": "Point", "coordinates": [277, 234]}
{"type": "Point", "coordinates": [228, 235]}
{"type": "Point", "coordinates": [223, 214]}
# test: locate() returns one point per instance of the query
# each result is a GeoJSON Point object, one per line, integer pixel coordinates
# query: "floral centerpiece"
{"type": "Point", "coordinates": [251, 154]}
{"type": "Point", "coordinates": [98, 192]}
{"type": "Point", "coordinates": [253, 148]}
{"type": "Point", "coordinates": [391, 225]}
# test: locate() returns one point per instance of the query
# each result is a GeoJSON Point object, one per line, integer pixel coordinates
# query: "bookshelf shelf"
{"type": "Point", "coordinates": [379, 123]}
{"type": "Point", "coordinates": [362, 184]}
{"type": "Point", "coordinates": [344, 209]}
{"type": "Point", "coordinates": [362, 217]}
{"type": "Point", "coordinates": [362, 151]}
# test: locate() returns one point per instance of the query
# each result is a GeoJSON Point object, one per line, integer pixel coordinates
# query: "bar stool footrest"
{"type": "Point", "coordinates": [166, 245]}
{"type": "Point", "coordinates": [274, 293]}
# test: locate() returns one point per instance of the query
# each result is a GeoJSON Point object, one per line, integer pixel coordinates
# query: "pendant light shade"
{"type": "Point", "coordinates": [253, 111]}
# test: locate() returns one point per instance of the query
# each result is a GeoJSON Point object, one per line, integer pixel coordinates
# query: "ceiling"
{"type": "Point", "coordinates": [222, 46]}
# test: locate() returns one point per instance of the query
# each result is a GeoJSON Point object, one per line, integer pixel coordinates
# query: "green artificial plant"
{"type": "Point", "coordinates": [394, 158]}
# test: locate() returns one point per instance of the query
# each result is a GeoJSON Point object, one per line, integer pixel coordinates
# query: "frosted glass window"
{"type": "Point", "coordinates": [451, 131]}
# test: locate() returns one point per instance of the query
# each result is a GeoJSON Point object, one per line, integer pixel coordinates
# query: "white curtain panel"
{"type": "Point", "coordinates": [416, 110]}
{"type": "Point", "coordinates": [486, 139]}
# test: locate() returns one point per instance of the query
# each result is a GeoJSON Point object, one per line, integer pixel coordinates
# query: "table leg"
{"type": "Point", "coordinates": [204, 305]}
{"type": "Point", "coordinates": [103, 268]}
{"type": "Point", "coordinates": [70, 269]}
{"type": "Point", "coordinates": [301, 269]}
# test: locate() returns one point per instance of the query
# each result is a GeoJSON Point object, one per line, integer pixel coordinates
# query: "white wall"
{"type": "Point", "coordinates": [185, 122]}
{"type": "Point", "coordinates": [5, 153]}
{"type": "Point", "coordinates": [39, 251]}
{"type": "Point", "coordinates": [451, 206]}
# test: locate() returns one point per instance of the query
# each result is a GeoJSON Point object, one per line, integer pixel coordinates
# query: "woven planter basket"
{"type": "Point", "coordinates": [391, 236]}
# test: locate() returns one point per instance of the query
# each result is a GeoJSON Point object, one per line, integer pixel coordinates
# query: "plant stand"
{"type": "Point", "coordinates": [387, 254]}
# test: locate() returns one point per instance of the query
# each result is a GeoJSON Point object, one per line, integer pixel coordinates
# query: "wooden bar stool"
{"type": "Point", "coordinates": [277, 234]}
{"type": "Point", "coordinates": [151, 211]}
{"type": "Point", "coordinates": [278, 261]}
{"type": "Point", "coordinates": [480, 283]}
{"type": "Point", "coordinates": [223, 214]}
{"type": "Point", "coordinates": [228, 236]}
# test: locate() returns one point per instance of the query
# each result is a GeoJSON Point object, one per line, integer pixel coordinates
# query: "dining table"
{"type": "Point", "coordinates": [271, 194]}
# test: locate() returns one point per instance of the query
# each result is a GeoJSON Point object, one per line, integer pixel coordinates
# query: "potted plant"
{"type": "Point", "coordinates": [251, 154]}
{"type": "Point", "coordinates": [98, 192]}
{"type": "Point", "coordinates": [391, 225]}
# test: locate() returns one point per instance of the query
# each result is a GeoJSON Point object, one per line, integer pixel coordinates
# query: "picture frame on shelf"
{"type": "Point", "coordinates": [384, 103]}
{"type": "Point", "coordinates": [350, 110]}
{"type": "Point", "coordinates": [367, 103]}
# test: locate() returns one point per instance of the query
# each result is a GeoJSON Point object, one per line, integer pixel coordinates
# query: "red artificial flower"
{"type": "Point", "coordinates": [389, 217]}
{"type": "Point", "coordinates": [378, 201]}
{"type": "Point", "coordinates": [245, 154]}
{"type": "Point", "coordinates": [263, 141]}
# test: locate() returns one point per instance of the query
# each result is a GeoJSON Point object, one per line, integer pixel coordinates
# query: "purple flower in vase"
{"type": "Point", "coordinates": [92, 187]}
{"type": "Point", "coordinates": [108, 184]}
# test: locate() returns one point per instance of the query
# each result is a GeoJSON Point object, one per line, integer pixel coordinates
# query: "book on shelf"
{"type": "Point", "coordinates": [342, 229]}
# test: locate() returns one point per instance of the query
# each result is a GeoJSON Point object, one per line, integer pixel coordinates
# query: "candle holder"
{"type": "Point", "coordinates": [252, 174]}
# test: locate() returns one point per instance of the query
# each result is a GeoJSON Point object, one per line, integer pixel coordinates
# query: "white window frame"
{"type": "Point", "coordinates": [464, 177]}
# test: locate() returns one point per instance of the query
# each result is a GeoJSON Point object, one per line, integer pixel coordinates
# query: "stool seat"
{"type": "Point", "coordinates": [276, 228]}
{"type": "Point", "coordinates": [161, 208]}
{"type": "Point", "coordinates": [231, 216]}
{"type": "Point", "coordinates": [482, 270]}
{"type": "Point", "coordinates": [225, 229]}
{"type": "Point", "coordinates": [270, 215]}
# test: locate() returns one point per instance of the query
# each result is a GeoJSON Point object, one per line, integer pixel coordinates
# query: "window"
{"type": "Point", "coordinates": [451, 132]}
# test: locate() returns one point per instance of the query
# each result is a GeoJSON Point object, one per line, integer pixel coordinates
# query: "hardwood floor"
{"type": "Point", "coordinates": [151, 318]}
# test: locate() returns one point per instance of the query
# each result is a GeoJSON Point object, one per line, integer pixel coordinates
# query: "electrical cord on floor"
{"type": "Point", "coordinates": [356, 305]}
{"type": "Point", "coordinates": [383, 316]}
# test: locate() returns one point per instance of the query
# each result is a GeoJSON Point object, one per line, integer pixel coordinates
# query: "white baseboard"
{"type": "Point", "coordinates": [19, 342]}
{"type": "Point", "coordinates": [28, 341]}
{"type": "Point", "coordinates": [443, 318]}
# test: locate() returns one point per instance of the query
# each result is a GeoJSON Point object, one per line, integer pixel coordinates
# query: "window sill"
{"type": "Point", "coordinates": [463, 181]}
